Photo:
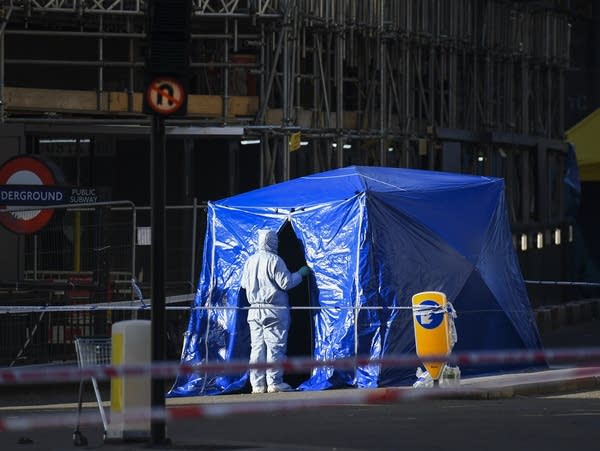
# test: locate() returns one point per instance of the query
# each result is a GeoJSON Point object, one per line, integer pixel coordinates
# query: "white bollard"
{"type": "Point", "coordinates": [131, 344]}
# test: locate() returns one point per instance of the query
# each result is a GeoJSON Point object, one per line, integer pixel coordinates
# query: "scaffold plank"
{"type": "Point", "coordinates": [61, 100]}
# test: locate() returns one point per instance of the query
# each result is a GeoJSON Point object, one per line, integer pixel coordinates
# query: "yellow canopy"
{"type": "Point", "coordinates": [585, 136]}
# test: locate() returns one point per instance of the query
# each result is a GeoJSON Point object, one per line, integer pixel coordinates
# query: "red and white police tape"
{"type": "Point", "coordinates": [69, 373]}
{"type": "Point", "coordinates": [22, 423]}
{"type": "Point", "coordinates": [147, 305]}
{"type": "Point", "coordinates": [357, 396]}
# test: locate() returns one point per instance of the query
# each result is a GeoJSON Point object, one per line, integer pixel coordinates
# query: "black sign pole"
{"type": "Point", "coordinates": [168, 38]}
{"type": "Point", "coordinates": [158, 320]}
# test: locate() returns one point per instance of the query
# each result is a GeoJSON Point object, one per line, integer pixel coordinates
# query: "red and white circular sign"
{"type": "Point", "coordinates": [165, 95]}
{"type": "Point", "coordinates": [28, 171]}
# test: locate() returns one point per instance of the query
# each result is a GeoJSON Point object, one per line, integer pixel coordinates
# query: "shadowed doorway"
{"type": "Point", "coordinates": [300, 339]}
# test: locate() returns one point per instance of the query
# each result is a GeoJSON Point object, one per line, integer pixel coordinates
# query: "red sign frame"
{"type": "Point", "coordinates": [42, 171]}
{"type": "Point", "coordinates": [165, 89]}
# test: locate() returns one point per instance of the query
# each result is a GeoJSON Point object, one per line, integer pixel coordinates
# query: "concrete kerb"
{"type": "Point", "coordinates": [550, 382]}
{"type": "Point", "coordinates": [545, 388]}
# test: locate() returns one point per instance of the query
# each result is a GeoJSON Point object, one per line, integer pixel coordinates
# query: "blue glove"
{"type": "Point", "coordinates": [304, 271]}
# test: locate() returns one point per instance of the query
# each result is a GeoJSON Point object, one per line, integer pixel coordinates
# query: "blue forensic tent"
{"type": "Point", "coordinates": [373, 236]}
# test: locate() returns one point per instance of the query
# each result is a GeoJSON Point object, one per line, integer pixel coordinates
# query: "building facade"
{"type": "Point", "coordinates": [280, 89]}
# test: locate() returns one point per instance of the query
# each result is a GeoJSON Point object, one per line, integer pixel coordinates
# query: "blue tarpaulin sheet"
{"type": "Point", "coordinates": [373, 237]}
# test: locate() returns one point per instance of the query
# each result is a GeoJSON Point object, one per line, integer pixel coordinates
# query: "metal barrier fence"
{"type": "Point", "coordinates": [87, 254]}
{"type": "Point", "coordinates": [45, 337]}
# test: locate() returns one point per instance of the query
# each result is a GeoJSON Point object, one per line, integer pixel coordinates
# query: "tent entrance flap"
{"type": "Point", "coordinates": [300, 334]}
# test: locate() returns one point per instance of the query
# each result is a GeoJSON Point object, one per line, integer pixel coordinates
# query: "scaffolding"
{"type": "Point", "coordinates": [471, 86]}
{"type": "Point", "coordinates": [474, 86]}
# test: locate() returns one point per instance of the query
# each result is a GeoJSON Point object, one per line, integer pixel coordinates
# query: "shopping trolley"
{"type": "Point", "coordinates": [91, 351]}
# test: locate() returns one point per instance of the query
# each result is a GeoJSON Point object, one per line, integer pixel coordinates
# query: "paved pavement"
{"type": "Point", "coordinates": [20, 401]}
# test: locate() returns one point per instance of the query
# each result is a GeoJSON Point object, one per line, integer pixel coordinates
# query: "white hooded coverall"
{"type": "Point", "coordinates": [266, 279]}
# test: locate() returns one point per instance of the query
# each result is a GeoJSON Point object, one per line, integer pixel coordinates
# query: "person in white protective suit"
{"type": "Point", "coordinates": [266, 280]}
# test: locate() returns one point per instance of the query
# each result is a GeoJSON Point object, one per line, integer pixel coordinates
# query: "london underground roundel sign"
{"type": "Point", "coordinates": [26, 181]}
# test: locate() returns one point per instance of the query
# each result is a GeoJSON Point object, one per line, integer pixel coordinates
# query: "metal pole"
{"type": "Point", "coordinates": [131, 84]}
{"type": "Point", "coordinates": [133, 238]}
{"type": "Point", "coordinates": [158, 323]}
{"type": "Point", "coordinates": [262, 93]}
{"type": "Point", "coordinates": [2, 78]}
{"type": "Point", "coordinates": [226, 77]}
{"type": "Point", "coordinates": [133, 257]}
{"type": "Point", "coordinates": [339, 77]}
{"type": "Point", "coordinates": [193, 262]}
{"type": "Point", "coordinates": [382, 88]}
{"type": "Point", "coordinates": [285, 148]}
{"type": "Point", "coordinates": [2, 33]}
{"type": "Point", "coordinates": [265, 100]}
{"type": "Point", "coordinates": [35, 256]}
{"type": "Point", "coordinates": [100, 97]}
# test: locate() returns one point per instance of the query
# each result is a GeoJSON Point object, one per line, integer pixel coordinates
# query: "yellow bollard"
{"type": "Point", "coordinates": [432, 337]}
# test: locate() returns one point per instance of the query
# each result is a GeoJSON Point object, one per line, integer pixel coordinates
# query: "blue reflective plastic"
{"type": "Point", "coordinates": [373, 237]}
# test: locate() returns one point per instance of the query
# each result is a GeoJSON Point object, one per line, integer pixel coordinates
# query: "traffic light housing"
{"type": "Point", "coordinates": [168, 42]}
